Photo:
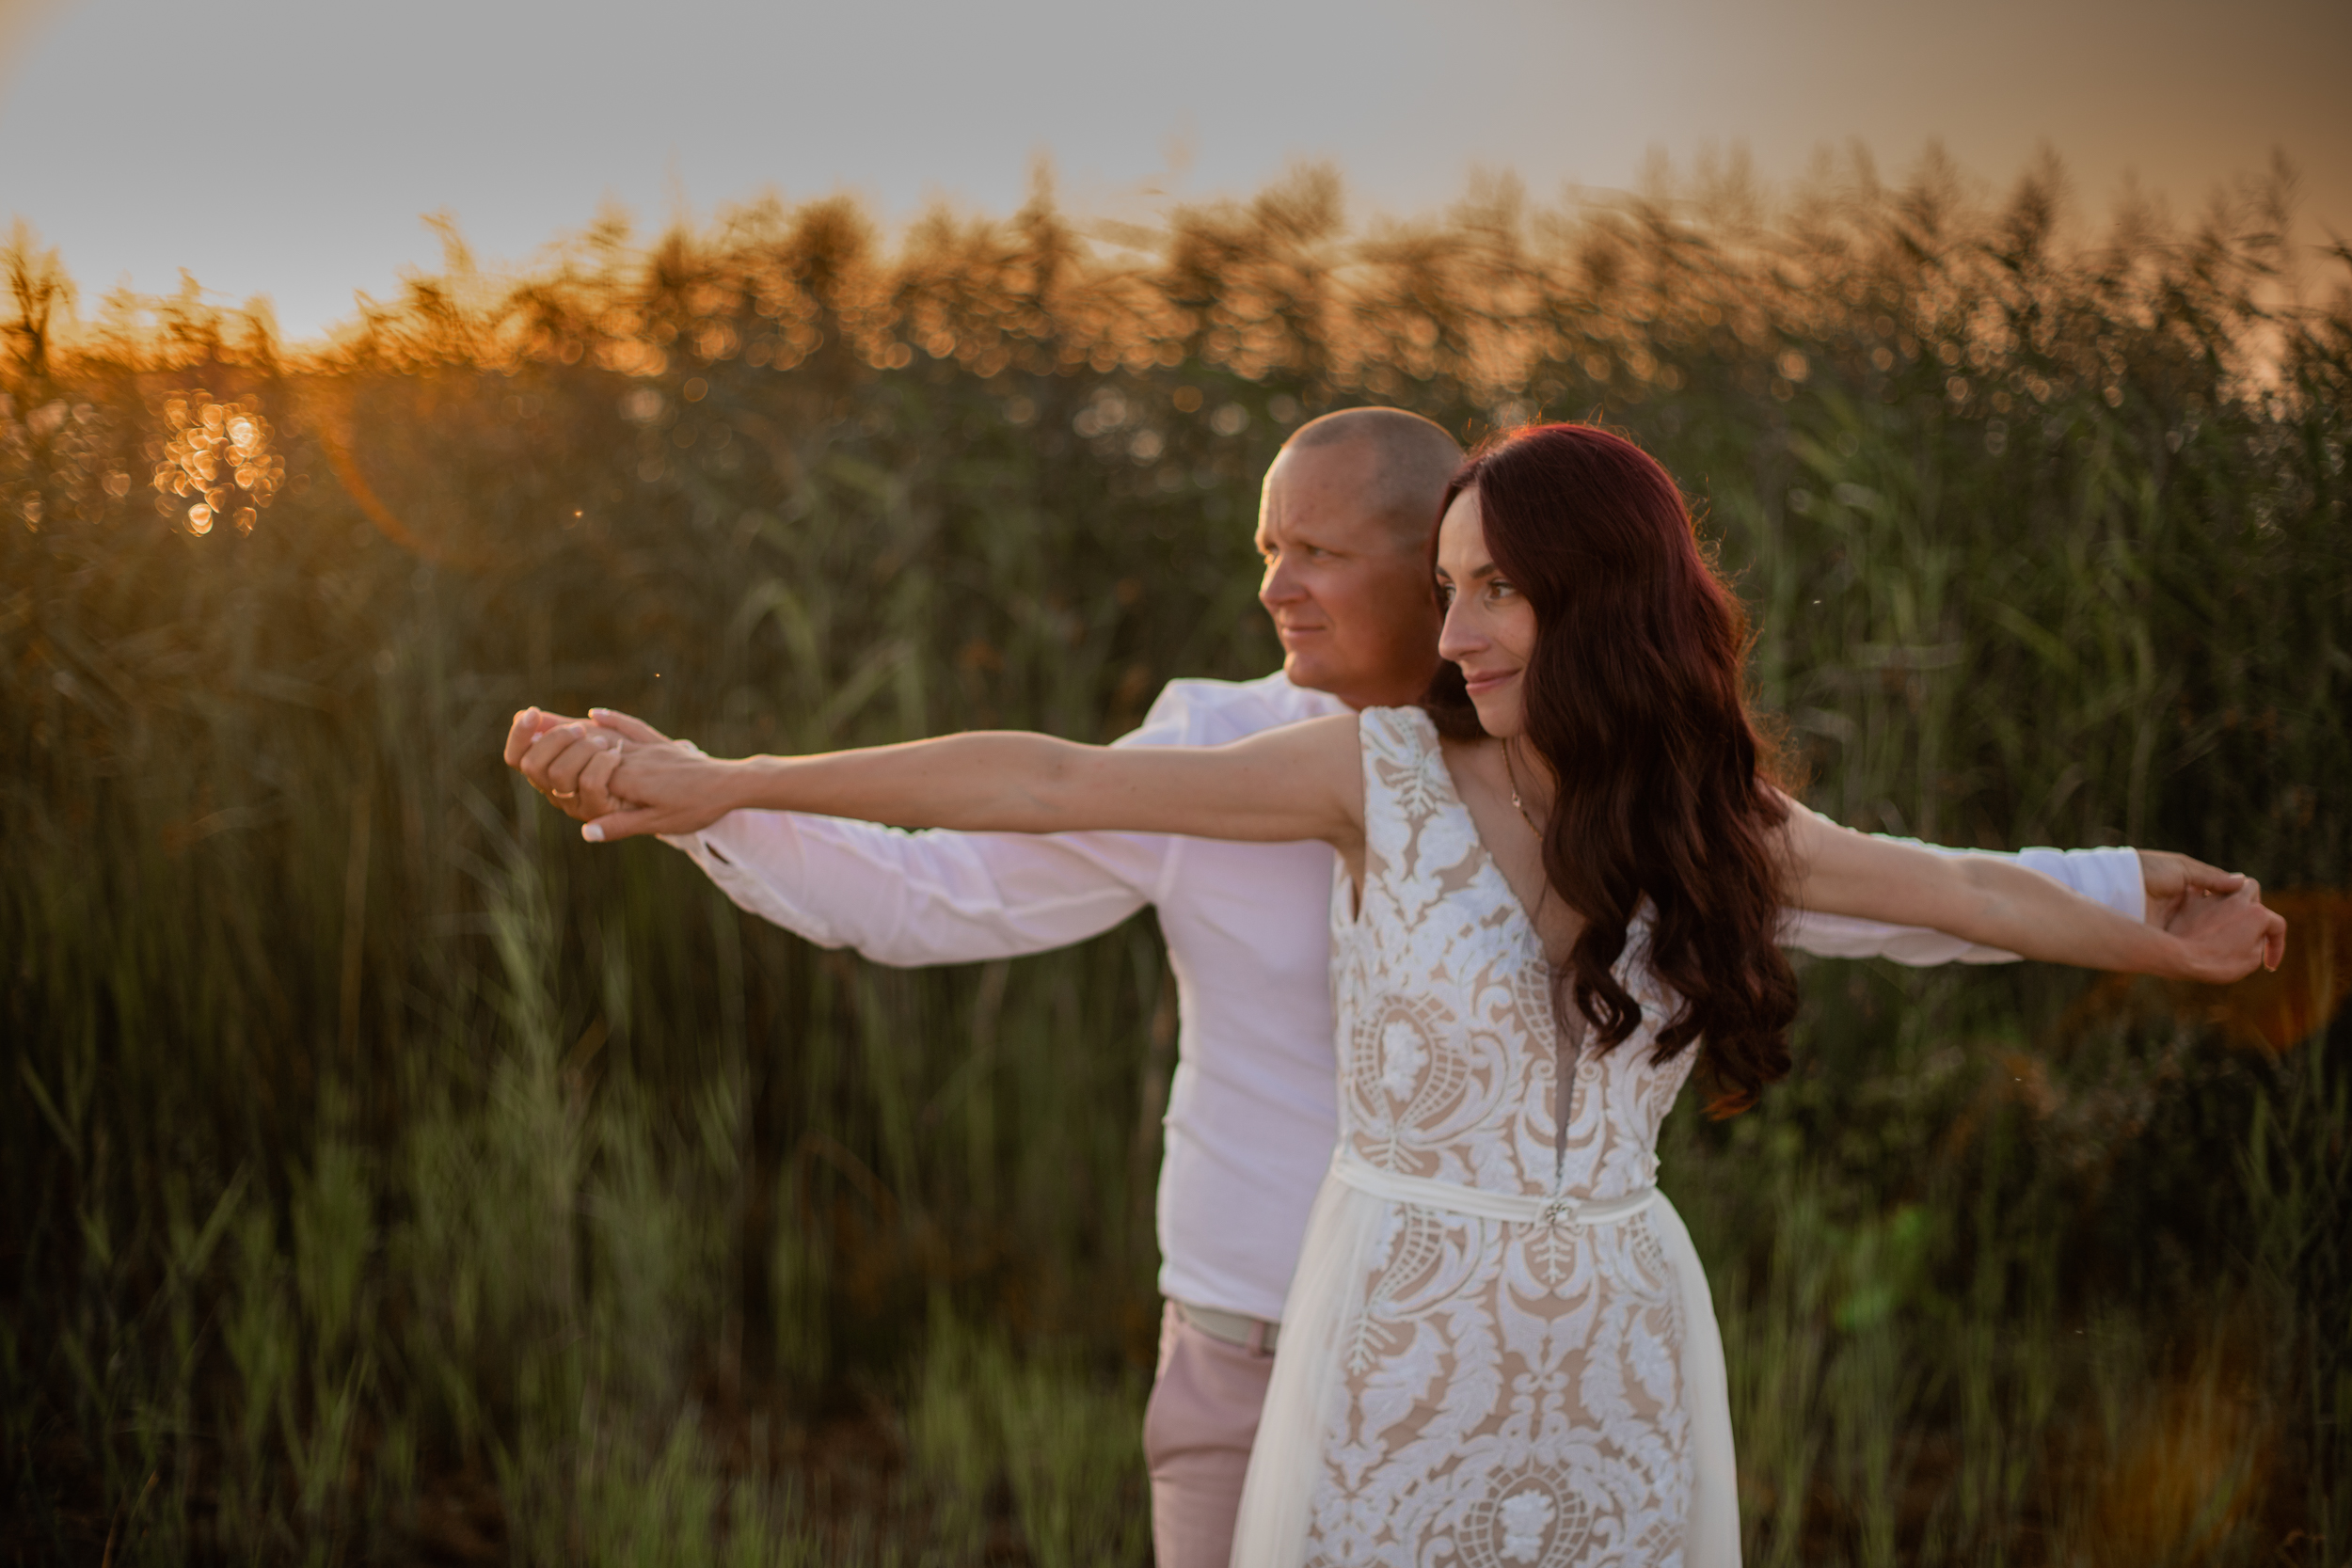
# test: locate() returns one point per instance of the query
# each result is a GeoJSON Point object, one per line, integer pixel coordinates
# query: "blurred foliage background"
{"type": "Point", "coordinates": [391, 1176]}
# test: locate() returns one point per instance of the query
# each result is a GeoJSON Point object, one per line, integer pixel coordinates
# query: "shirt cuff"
{"type": "Point", "coordinates": [2110, 877]}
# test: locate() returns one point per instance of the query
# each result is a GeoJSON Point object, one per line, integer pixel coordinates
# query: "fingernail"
{"type": "Point", "coordinates": [599, 713]}
{"type": "Point", "coordinates": [592, 831]}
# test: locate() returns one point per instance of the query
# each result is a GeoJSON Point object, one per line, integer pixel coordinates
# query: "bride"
{"type": "Point", "coordinates": [1562, 878]}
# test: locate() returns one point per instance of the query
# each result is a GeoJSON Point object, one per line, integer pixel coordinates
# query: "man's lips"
{"type": "Point", "coordinates": [1287, 632]}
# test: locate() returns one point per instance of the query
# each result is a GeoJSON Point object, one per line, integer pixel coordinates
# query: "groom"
{"type": "Point", "coordinates": [1344, 527]}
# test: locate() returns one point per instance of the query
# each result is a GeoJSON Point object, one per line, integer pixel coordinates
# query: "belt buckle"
{"type": "Point", "coordinates": [1560, 1207]}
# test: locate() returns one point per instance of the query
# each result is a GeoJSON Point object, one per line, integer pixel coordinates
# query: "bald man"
{"type": "Point", "coordinates": [1343, 526]}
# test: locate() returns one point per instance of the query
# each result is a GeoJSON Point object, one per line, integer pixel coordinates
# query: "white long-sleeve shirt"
{"type": "Point", "coordinates": [1252, 1110]}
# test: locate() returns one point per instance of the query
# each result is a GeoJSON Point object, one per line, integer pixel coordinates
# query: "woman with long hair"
{"type": "Point", "coordinates": [1565, 872]}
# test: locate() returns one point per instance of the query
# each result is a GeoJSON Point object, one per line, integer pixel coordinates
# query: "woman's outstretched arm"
{"type": "Point", "coordinates": [2001, 903]}
{"type": "Point", "coordinates": [1304, 781]}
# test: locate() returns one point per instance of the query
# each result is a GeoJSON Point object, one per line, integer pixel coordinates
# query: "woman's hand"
{"type": "Point", "coordinates": [546, 750]}
{"type": "Point", "coordinates": [552, 752]}
{"type": "Point", "coordinates": [2223, 937]}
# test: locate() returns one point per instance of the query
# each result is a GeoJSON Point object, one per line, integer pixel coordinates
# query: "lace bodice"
{"type": "Point", "coordinates": [1449, 1059]}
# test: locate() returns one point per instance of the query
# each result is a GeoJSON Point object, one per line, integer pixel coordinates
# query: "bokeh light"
{"type": "Point", "coordinates": [216, 449]}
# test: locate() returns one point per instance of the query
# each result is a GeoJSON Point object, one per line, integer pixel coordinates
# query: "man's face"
{"type": "Point", "coordinates": [1351, 603]}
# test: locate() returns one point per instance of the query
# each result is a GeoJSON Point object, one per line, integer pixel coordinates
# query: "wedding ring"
{"type": "Point", "coordinates": [563, 794]}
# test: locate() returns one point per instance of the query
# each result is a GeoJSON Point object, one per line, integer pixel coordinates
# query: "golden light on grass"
{"type": "Point", "coordinates": [213, 446]}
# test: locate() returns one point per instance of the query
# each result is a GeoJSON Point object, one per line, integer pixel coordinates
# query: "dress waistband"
{"type": "Point", "coordinates": [1451, 1196]}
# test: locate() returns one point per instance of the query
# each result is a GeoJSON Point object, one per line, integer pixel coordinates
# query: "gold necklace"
{"type": "Point", "coordinates": [1513, 774]}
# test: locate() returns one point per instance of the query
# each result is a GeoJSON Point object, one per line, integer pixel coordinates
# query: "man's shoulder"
{"type": "Point", "coordinates": [1196, 711]}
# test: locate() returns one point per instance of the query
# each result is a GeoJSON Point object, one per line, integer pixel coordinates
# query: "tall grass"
{"type": "Point", "coordinates": [393, 1175]}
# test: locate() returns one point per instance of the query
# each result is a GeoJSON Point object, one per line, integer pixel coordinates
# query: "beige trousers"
{"type": "Point", "coordinates": [1196, 1433]}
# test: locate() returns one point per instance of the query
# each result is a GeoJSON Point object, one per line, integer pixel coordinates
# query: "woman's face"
{"type": "Point", "coordinates": [1489, 627]}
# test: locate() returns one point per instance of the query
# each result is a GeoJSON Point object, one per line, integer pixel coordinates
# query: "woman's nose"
{"type": "Point", "coordinates": [1459, 634]}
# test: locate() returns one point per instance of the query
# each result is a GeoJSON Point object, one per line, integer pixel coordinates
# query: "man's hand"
{"type": "Point", "coordinates": [553, 751]}
{"type": "Point", "coordinates": [2223, 936]}
{"type": "Point", "coordinates": [2175, 883]}
{"type": "Point", "coordinates": [656, 787]}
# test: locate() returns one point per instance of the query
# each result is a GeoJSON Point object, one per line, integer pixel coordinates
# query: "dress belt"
{"type": "Point", "coordinates": [1451, 1196]}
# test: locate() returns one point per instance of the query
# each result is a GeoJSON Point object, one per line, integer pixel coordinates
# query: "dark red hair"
{"type": "Point", "coordinates": [1636, 697]}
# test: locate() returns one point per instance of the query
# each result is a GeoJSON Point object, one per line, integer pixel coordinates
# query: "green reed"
{"type": "Point", "coordinates": [392, 1175]}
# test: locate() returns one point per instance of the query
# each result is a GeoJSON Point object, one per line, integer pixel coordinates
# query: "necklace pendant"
{"type": "Point", "coordinates": [1512, 773]}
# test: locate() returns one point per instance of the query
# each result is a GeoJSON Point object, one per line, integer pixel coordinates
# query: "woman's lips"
{"type": "Point", "coordinates": [1486, 681]}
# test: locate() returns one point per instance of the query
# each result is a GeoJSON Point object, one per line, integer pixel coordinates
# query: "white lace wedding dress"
{"type": "Point", "coordinates": [1497, 1351]}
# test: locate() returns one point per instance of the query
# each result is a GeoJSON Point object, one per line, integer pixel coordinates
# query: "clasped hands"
{"type": "Point", "coordinates": [577, 763]}
{"type": "Point", "coordinates": [620, 778]}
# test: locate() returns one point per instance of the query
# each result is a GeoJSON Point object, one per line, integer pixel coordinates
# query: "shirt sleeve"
{"type": "Point", "coordinates": [2108, 876]}
{"type": "Point", "coordinates": [934, 898]}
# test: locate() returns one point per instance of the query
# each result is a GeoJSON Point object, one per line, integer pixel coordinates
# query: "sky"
{"type": "Point", "coordinates": [292, 148]}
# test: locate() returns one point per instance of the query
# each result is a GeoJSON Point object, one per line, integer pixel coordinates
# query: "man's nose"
{"type": "Point", "coordinates": [1279, 584]}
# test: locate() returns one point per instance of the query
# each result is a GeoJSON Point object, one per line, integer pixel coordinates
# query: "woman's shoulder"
{"type": "Point", "coordinates": [1400, 729]}
{"type": "Point", "coordinates": [1399, 744]}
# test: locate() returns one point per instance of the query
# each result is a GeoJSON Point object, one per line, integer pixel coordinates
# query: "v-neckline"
{"type": "Point", "coordinates": [1533, 932]}
{"type": "Point", "coordinates": [1568, 1035]}
{"type": "Point", "coordinates": [1518, 906]}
